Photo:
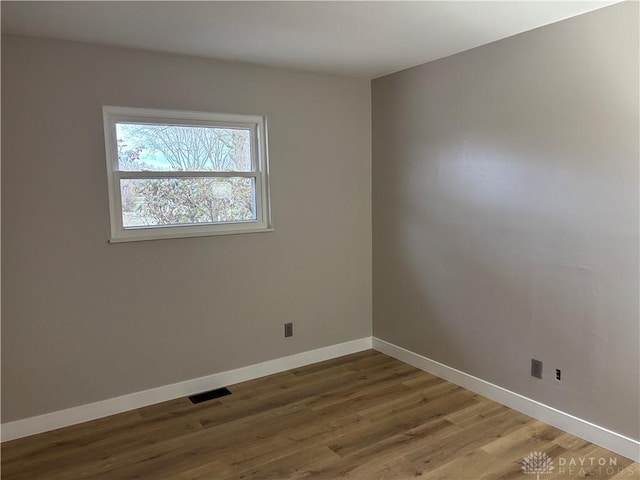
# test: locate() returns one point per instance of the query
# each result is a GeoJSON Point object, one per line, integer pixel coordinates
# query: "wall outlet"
{"type": "Point", "coordinates": [558, 375]}
{"type": "Point", "coordinates": [288, 329]}
{"type": "Point", "coordinates": [536, 368]}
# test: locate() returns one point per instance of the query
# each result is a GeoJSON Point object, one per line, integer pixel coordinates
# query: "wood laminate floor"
{"type": "Point", "coordinates": [363, 416]}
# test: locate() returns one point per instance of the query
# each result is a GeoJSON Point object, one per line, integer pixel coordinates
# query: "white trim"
{"type": "Point", "coordinates": [596, 434]}
{"type": "Point", "coordinates": [181, 117]}
{"type": "Point", "coordinates": [235, 231]}
{"type": "Point", "coordinates": [256, 124]}
{"type": "Point", "coordinates": [112, 406]}
{"type": "Point", "coordinates": [125, 175]}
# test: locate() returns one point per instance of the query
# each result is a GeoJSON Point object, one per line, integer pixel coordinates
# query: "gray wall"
{"type": "Point", "coordinates": [505, 200]}
{"type": "Point", "coordinates": [84, 320]}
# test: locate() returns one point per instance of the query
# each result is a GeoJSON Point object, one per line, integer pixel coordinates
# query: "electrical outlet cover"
{"type": "Point", "coordinates": [536, 368]}
{"type": "Point", "coordinates": [288, 329]}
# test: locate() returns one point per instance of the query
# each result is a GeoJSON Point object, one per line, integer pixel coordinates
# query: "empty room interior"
{"type": "Point", "coordinates": [317, 239]}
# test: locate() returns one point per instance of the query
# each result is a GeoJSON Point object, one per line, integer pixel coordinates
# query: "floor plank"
{"type": "Point", "coordinates": [362, 416]}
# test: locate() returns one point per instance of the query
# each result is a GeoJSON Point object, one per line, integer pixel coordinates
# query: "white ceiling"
{"type": "Point", "coordinates": [361, 39]}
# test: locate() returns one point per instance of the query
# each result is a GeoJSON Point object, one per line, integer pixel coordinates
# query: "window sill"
{"type": "Point", "coordinates": [144, 238]}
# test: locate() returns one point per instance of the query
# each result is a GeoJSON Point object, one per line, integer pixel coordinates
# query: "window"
{"type": "Point", "coordinates": [184, 174]}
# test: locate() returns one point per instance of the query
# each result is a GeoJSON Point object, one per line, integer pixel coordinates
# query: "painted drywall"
{"type": "Point", "coordinates": [505, 200]}
{"type": "Point", "coordinates": [85, 320]}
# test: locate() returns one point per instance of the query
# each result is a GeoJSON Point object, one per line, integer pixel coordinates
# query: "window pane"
{"type": "Point", "coordinates": [187, 201]}
{"type": "Point", "coordinates": [182, 148]}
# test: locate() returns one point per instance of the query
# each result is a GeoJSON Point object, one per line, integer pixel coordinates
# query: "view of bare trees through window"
{"type": "Point", "coordinates": [185, 200]}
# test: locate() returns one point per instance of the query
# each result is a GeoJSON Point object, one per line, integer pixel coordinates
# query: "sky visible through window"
{"type": "Point", "coordinates": [156, 147]}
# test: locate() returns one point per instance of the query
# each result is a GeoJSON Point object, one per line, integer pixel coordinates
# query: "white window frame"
{"type": "Point", "coordinates": [260, 171]}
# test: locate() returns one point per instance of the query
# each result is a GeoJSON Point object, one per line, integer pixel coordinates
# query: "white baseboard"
{"type": "Point", "coordinates": [613, 441]}
{"type": "Point", "coordinates": [603, 437]}
{"type": "Point", "coordinates": [104, 408]}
